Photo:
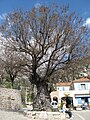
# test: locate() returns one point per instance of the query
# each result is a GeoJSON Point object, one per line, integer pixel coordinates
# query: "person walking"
{"type": "Point", "coordinates": [68, 107]}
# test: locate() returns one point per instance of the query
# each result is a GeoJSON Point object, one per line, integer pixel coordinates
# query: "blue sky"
{"type": "Point", "coordinates": [81, 7]}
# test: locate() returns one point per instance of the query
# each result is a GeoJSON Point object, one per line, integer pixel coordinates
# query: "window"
{"type": "Point", "coordinates": [83, 87]}
{"type": "Point", "coordinates": [58, 88]}
{"type": "Point", "coordinates": [63, 88]}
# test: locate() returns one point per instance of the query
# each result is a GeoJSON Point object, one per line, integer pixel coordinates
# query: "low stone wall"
{"type": "Point", "coordinates": [10, 99]}
{"type": "Point", "coordinates": [43, 115]}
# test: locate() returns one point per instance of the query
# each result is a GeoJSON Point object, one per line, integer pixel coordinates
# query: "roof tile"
{"type": "Point", "coordinates": [81, 80]}
{"type": "Point", "coordinates": [63, 84]}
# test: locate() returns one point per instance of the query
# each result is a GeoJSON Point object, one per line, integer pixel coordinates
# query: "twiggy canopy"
{"type": "Point", "coordinates": [47, 38]}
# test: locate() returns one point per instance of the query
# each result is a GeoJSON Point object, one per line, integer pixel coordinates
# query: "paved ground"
{"type": "Point", "coordinates": [81, 115]}
{"type": "Point", "coordinates": [8, 115]}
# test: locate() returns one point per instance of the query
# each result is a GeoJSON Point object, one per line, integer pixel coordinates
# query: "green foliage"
{"type": "Point", "coordinates": [24, 106]}
{"type": "Point", "coordinates": [7, 85]}
{"type": "Point", "coordinates": [23, 96]}
{"type": "Point", "coordinates": [32, 97]}
{"type": "Point", "coordinates": [60, 105]}
{"type": "Point", "coordinates": [7, 77]}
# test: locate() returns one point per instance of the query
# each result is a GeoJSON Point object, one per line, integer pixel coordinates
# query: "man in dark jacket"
{"type": "Point", "coordinates": [68, 105]}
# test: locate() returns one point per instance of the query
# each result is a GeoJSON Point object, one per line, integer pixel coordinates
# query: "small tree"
{"type": "Point", "coordinates": [12, 64]}
{"type": "Point", "coordinates": [49, 38]}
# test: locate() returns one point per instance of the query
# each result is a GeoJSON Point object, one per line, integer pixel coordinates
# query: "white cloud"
{"type": "Point", "coordinates": [37, 5]}
{"type": "Point", "coordinates": [2, 16]}
{"type": "Point", "coordinates": [87, 22]}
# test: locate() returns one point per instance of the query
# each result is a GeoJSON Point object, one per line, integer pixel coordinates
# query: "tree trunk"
{"type": "Point", "coordinates": [42, 99]}
{"type": "Point", "coordinates": [12, 82]}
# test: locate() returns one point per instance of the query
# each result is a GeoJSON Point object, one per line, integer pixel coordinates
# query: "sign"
{"type": "Point", "coordinates": [67, 93]}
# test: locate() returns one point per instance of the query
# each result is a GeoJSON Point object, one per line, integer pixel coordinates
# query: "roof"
{"type": "Point", "coordinates": [63, 84]}
{"type": "Point", "coordinates": [81, 80]}
{"type": "Point", "coordinates": [74, 81]}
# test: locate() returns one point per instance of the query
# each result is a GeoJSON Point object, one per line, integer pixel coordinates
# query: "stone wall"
{"type": "Point", "coordinates": [10, 99]}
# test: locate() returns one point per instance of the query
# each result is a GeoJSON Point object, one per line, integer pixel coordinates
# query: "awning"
{"type": "Point", "coordinates": [82, 95]}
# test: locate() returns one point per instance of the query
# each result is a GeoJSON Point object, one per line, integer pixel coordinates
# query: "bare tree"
{"type": "Point", "coordinates": [12, 64]}
{"type": "Point", "coordinates": [49, 38]}
{"type": "Point", "coordinates": [74, 70]}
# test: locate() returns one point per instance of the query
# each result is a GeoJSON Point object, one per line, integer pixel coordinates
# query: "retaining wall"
{"type": "Point", "coordinates": [43, 115]}
{"type": "Point", "coordinates": [10, 99]}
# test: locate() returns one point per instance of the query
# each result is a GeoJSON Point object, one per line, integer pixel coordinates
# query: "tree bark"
{"type": "Point", "coordinates": [42, 99]}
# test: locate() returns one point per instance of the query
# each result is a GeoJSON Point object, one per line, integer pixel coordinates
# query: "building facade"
{"type": "Point", "coordinates": [78, 91]}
